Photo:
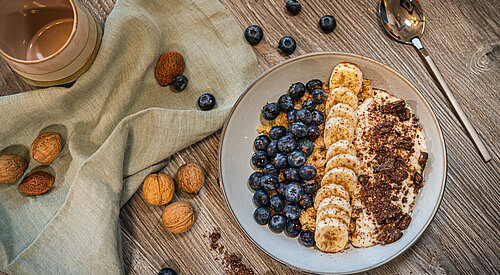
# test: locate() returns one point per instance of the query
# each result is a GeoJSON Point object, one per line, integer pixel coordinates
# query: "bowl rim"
{"type": "Point", "coordinates": [281, 64]}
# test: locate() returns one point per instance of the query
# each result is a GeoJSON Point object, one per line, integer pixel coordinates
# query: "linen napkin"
{"type": "Point", "coordinates": [118, 124]}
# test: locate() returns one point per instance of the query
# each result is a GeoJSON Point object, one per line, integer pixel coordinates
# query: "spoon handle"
{"type": "Point", "coordinates": [461, 115]}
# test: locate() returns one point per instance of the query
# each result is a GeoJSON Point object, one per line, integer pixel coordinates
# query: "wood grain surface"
{"type": "Point", "coordinates": [462, 36]}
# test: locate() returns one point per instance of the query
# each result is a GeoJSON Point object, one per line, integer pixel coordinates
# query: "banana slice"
{"type": "Point", "coordinates": [344, 160]}
{"type": "Point", "coordinates": [341, 95]}
{"type": "Point", "coordinates": [330, 190]}
{"type": "Point", "coordinates": [341, 176]}
{"type": "Point", "coordinates": [331, 235]}
{"type": "Point", "coordinates": [334, 213]}
{"type": "Point", "coordinates": [340, 147]}
{"type": "Point", "coordinates": [345, 111]}
{"type": "Point", "coordinates": [338, 128]}
{"type": "Point", "coordinates": [335, 202]}
{"type": "Point", "coordinates": [347, 75]}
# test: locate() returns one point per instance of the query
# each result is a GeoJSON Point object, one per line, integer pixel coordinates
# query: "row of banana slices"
{"type": "Point", "coordinates": [332, 200]}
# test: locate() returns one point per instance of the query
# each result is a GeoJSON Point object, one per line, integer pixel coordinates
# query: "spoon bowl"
{"type": "Point", "coordinates": [404, 20]}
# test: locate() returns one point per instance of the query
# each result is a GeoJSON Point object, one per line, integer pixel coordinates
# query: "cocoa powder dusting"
{"type": "Point", "coordinates": [231, 263]}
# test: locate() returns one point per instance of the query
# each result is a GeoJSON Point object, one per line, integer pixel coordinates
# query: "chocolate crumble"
{"type": "Point", "coordinates": [231, 263]}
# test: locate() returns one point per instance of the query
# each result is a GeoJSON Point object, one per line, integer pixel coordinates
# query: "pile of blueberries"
{"type": "Point", "coordinates": [285, 151]}
{"type": "Point", "coordinates": [287, 44]}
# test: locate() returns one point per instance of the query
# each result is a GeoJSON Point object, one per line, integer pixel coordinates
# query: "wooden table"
{"type": "Point", "coordinates": [463, 37]}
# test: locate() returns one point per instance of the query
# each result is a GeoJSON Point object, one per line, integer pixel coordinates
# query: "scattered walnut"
{"type": "Point", "coordinates": [46, 147]}
{"type": "Point", "coordinates": [37, 183]}
{"type": "Point", "coordinates": [158, 189]}
{"type": "Point", "coordinates": [12, 168]}
{"type": "Point", "coordinates": [191, 177]}
{"type": "Point", "coordinates": [178, 217]}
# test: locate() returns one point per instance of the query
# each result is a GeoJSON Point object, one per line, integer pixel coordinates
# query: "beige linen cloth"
{"type": "Point", "coordinates": [118, 125]}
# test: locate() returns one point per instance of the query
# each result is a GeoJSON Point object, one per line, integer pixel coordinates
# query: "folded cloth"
{"type": "Point", "coordinates": [118, 124]}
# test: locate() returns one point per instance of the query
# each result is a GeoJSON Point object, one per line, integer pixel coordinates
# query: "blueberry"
{"type": "Point", "coordinates": [292, 211]}
{"type": "Point", "coordinates": [277, 132]}
{"type": "Point", "coordinates": [277, 203]}
{"type": "Point", "coordinates": [307, 172]}
{"type": "Point", "coordinates": [281, 188]}
{"type": "Point", "coordinates": [167, 271]}
{"type": "Point", "coordinates": [285, 102]}
{"type": "Point", "coordinates": [254, 180]}
{"type": "Point", "coordinates": [281, 161]}
{"type": "Point", "coordinates": [254, 34]}
{"type": "Point", "coordinates": [310, 186]}
{"type": "Point", "coordinates": [313, 84]}
{"type": "Point", "coordinates": [180, 82]}
{"type": "Point", "coordinates": [313, 132]}
{"type": "Point", "coordinates": [293, 228]}
{"type": "Point", "coordinates": [297, 90]}
{"type": "Point", "coordinates": [206, 102]}
{"type": "Point", "coordinates": [308, 105]}
{"type": "Point", "coordinates": [261, 198]}
{"type": "Point", "coordinates": [262, 215]}
{"type": "Point", "coordinates": [287, 144]}
{"type": "Point", "coordinates": [261, 142]}
{"type": "Point", "coordinates": [318, 96]}
{"type": "Point", "coordinates": [306, 145]}
{"type": "Point", "coordinates": [287, 45]}
{"type": "Point", "coordinates": [306, 201]}
{"type": "Point", "coordinates": [277, 223]}
{"type": "Point", "coordinates": [307, 238]}
{"type": "Point", "coordinates": [298, 129]}
{"type": "Point", "coordinates": [327, 23]}
{"type": "Point", "coordinates": [304, 116]}
{"type": "Point", "coordinates": [270, 170]}
{"type": "Point", "coordinates": [260, 159]}
{"type": "Point", "coordinates": [272, 149]}
{"type": "Point", "coordinates": [271, 111]}
{"type": "Point", "coordinates": [291, 174]}
{"type": "Point", "coordinates": [293, 7]}
{"type": "Point", "coordinates": [297, 158]}
{"type": "Point", "coordinates": [318, 118]}
{"type": "Point", "coordinates": [269, 182]}
{"type": "Point", "coordinates": [291, 116]}
{"type": "Point", "coordinates": [293, 192]}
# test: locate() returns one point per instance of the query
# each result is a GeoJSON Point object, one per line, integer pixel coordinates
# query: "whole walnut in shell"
{"type": "Point", "coordinates": [178, 217]}
{"type": "Point", "coordinates": [158, 189]}
{"type": "Point", "coordinates": [12, 168]}
{"type": "Point", "coordinates": [191, 177]}
{"type": "Point", "coordinates": [46, 147]}
{"type": "Point", "coordinates": [37, 183]}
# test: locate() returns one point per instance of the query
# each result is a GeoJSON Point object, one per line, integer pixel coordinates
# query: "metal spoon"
{"type": "Point", "coordinates": [404, 20]}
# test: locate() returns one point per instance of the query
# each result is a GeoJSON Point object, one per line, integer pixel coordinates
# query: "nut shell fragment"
{"type": "Point", "coordinates": [46, 147]}
{"type": "Point", "coordinates": [36, 183]}
{"type": "Point", "coordinates": [12, 168]}
{"type": "Point", "coordinates": [178, 217]}
{"type": "Point", "coordinates": [158, 189]}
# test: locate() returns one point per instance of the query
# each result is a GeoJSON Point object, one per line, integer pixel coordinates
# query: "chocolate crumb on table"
{"type": "Point", "coordinates": [231, 263]}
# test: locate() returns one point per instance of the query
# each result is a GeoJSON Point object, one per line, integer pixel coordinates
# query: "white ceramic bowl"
{"type": "Point", "coordinates": [236, 149]}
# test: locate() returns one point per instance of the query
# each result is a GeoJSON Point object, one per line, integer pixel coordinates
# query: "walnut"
{"type": "Point", "coordinates": [46, 147]}
{"type": "Point", "coordinates": [37, 183]}
{"type": "Point", "coordinates": [178, 217]}
{"type": "Point", "coordinates": [191, 177]}
{"type": "Point", "coordinates": [158, 189]}
{"type": "Point", "coordinates": [12, 168]}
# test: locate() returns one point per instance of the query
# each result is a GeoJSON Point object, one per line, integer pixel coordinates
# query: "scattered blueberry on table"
{"type": "Point", "coordinates": [254, 34]}
{"type": "Point", "coordinates": [206, 102]}
{"type": "Point", "coordinates": [180, 82]}
{"type": "Point", "coordinates": [167, 271]}
{"type": "Point", "coordinates": [287, 45]}
{"type": "Point", "coordinates": [327, 23]}
{"type": "Point", "coordinates": [293, 7]}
